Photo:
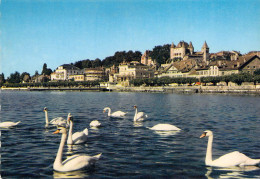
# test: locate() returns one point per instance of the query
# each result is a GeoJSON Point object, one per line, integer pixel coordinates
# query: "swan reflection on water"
{"type": "Point", "coordinates": [73, 174]}
{"type": "Point", "coordinates": [231, 172]}
{"type": "Point", "coordinates": [138, 124]}
{"type": "Point", "coordinates": [73, 149]}
{"type": "Point", "coordinates": [166, 133]}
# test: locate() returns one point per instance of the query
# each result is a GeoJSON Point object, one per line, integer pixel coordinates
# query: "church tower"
{"type": "Point", "coordinates": [205, 51]}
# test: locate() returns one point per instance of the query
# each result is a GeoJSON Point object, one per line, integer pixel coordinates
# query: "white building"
{"type": "Point", "coordinates": [64, 72]}
{"type": "Point", "coordinates": [131, 70]}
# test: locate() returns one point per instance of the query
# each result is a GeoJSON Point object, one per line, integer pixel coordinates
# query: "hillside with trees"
{"type": "Point", "coordinates": [116, 59]}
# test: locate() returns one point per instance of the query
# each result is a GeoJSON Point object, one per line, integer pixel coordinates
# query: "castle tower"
{"type": "Point", "coordinates": [191, 48]}
{"type": "Point", "coordinates": [171, 50]}
{"type": "Point", "coordinates": [205, 50]}
{"type": "Point", "coordinates": [182, 48]}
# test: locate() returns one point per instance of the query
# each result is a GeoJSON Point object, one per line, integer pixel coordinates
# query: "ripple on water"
{"type": "Point", "coordinates": [129, 149]}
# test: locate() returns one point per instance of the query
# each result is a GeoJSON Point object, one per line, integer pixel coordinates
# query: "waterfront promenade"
{"type": "Point", "coordinates": [250, 89]}
{"type": "Point", "coordinates": [243, 89]}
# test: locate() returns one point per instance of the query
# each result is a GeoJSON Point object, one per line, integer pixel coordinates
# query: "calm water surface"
{"type": "Point", "coordinates": [130, 150]}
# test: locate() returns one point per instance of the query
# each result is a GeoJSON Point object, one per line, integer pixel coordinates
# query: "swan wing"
{"type": "Point", "coordinates": [165, 127]}
{"type": "Point", "coordinates": [118, 114]}
{"type": "Point", "coordinates": [95, 123]}
{"type": "Point", "coordinates": [80, 137]}
{"type": "Point", "coordinates": [140, 115]}
{"type": "Point", "coordinates": [77, 162]}
{"type": "Point", "coordinates": [58, 120]}
{"type": "Point", "coordinates": [232, 159]}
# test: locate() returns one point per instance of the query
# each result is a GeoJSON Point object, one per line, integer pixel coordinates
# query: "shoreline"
{"type": "Point", "coordinates": [56, 89]}
{"type": "Point", "coordinates": [249, 89]}
{"type": "Point", "coordinates": [245, 89]}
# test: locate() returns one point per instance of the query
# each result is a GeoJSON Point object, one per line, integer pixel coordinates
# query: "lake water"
{"type": "Point", "coordinates": [130, 150]}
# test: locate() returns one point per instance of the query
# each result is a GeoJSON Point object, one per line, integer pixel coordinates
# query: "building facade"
{"type": "Point", "coordinates": [65, 72]}
{"type": "Point", "coordinates": [131, 70]}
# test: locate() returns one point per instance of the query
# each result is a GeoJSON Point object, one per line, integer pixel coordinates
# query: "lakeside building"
{"type": "Point", "coordinates": [65, 72]}
{"type": "Point", "coordinates": [94, 74]}
{"type": "Point", "coordinates": [183, 62]}
{"type": "Point", "coordinates": [131, 70]}
{"type": "Point", "coordinates": [197, 68]}
{"type": "Point", "coordinates": [70, 72]}
{"type": "Point", "coordinates": [146, 59]}
{"type": "Point", "coordinates": [38, 78]}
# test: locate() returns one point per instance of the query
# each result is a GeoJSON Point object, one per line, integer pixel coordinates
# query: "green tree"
{"type": "Point", "coordinates": [120, 57]}
{"type": "Point", "coordinates": [45, 70]}
{"type": "Point", "coordinates": [96, 63]}
{"type": "Point", "coordinates": [86, 64]}
{"type": "Point", "coordinates": [14, 78]}
{"type": "Point", "coordinates": [2, 78]}
{"type": "Point", "coordinates": [226, 78]}
{"type": "Point", "coordinates": [161, 53]}
{"type": "Point", "coordinates": [36, 73]}
{"type": "Point", "coordinates": [25, 77]}
{"type": "Point", "coordinates": [257, 72]}
{"type": "Point", "coordinates": [78, 64]}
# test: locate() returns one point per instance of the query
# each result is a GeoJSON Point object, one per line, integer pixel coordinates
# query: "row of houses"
{"type": "Point", "coordinates": [188, 64]}
{"type": "Point", "coordinates": [70, 72]}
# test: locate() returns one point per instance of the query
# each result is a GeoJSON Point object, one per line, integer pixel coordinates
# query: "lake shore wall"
{"type": "Point", "coordinates": [248, 89]}
{"type": "Point", "coordinates": [244, 89]}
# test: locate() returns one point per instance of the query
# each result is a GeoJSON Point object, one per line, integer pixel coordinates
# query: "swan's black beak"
{"type": "Point", "coordinates": [203, 135]}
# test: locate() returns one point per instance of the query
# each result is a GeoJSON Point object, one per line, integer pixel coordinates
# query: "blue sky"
{"type": "Point", "coordinates": [34, 32]}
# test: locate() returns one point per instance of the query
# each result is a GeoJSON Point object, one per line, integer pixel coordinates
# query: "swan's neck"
{"type": "Point", "coordinates": [208, 158]}
{"type": "Point", "coordinates": [69, 141]}
{"type": "Point", "coordinates": [135, 114]}
{"type": "Point", "coordinates": [46, 118]}
{"type": "Point", "coordinates": [58, 160]}
{"type": "Point", "coordinates": [109, 111]}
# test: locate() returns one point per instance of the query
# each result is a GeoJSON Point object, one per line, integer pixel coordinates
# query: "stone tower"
{"type": "Point", "coordinates": [172, 51]}
{"type": "Point", "coordinates": [205, 51]}
{"type": "Point", "coordinates": [191, 48]}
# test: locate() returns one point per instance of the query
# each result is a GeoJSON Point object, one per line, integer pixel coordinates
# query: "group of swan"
{"type": "Point", "coordinates": [228, 160]}
{"type": "Point", "coordinates": [74, 162]}
{"type": "Point", "coordinates": [77, 162]}
{"type": "Point", "coordinates": [231, 159]}
{"type": "Point", "coordinates": [141, 116]}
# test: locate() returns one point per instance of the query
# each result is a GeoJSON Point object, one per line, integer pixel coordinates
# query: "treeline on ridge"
{"type": "Point", "coordinates": [159, 53]}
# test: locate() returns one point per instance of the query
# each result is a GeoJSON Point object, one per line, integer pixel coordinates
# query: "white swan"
{"type": "Point", "coordinates": [95, 123]}
{"type": "Point", "coordinates": [139, 116]}
{"type": "Point", "coordinates": [228, 160]}
{"type": "Point", "coordinates": [165, 127]}
{"type": "Point", "coordinates": [77, 137]}
{"type": "Point", "coordinates": [8, 124]}
{"type": "Point", "coordinates": [74, 162]}
{"type": "Point", "coordinates": [114, 114]}
{"type": "Point", "coordinates": [56, 121]}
